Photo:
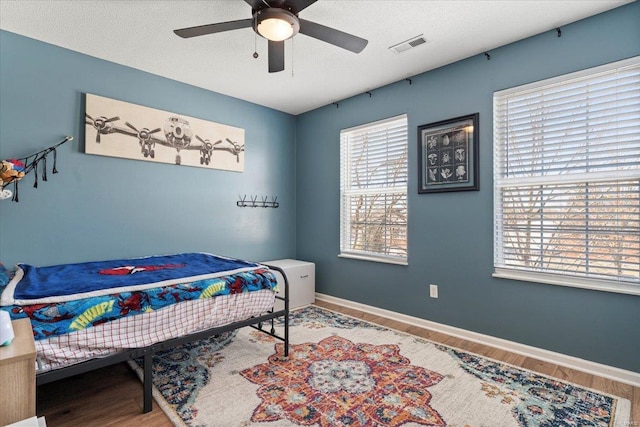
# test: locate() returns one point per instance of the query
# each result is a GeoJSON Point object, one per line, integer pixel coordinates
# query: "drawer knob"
{"type": "Point", "coordinates": [304, 277]}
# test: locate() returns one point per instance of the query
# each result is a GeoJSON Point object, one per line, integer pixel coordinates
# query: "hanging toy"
{"type": "Point", "coordinates": [11, 170]}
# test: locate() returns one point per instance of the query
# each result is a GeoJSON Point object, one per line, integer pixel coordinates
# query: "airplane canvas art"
{"type": "Point", "coordinates": [121, 129]}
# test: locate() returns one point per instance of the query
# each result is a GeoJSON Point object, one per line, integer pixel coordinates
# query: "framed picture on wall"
{"type": "Point", "coordinates": [448, 155]}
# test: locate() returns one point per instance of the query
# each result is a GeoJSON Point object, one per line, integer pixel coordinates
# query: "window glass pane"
{"type": "Point", "coordinates": [567, 175]}
{"type": "Point", "coordinates": [373, 188]}
{"type": "Point", "coordinates": [587, 229]}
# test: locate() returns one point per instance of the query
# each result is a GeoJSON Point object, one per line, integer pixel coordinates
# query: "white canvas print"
{"type": "Point", "coordinates": [121, 129]}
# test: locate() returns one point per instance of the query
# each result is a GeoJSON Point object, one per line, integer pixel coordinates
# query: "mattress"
{"type": "Point", "coordinates": [143, 330]}
{"type": "Point", "coordinates": [88, 310]}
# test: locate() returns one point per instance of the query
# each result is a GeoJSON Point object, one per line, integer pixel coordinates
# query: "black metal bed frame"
{"type": "Point", "coordinates": [146, 353]}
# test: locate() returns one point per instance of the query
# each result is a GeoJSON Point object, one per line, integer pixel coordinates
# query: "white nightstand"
{"type": "Point", "coordinates": [302, 281]}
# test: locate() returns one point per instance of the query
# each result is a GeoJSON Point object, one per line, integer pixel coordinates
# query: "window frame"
{"type": "Point", "coordinates": [346, 250]}
{"type": "Point", "coordinates": [562, 278]}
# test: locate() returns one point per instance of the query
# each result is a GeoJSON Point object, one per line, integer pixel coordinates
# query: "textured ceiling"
{"type": "Point", "coordinates": [140, 34]}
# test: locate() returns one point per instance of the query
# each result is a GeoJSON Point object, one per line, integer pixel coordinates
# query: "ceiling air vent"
{"type": "Point", "coordinates": [408, 44]}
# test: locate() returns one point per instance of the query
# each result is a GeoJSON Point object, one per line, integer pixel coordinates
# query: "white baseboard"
{"type": "Point", "coordinates": [594, 368]}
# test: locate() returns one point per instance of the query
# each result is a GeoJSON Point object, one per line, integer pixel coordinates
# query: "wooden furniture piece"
{"type": "Point", "coordinates": [18, 375]}
{"type": "Point", "coordinates": [302, 279]}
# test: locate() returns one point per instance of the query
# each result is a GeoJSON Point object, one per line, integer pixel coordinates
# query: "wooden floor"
{"type": "Point", "coordinates": [112, 396]}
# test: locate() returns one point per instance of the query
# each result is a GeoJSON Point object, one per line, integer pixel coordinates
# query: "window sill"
{"type": "Point", "coordinates": [374, 259]}
{"type": "Point", "coordinates": [574, 282]}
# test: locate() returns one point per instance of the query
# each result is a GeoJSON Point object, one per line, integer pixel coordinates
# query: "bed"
{"type": "Point", "coordinates": [91, 315]}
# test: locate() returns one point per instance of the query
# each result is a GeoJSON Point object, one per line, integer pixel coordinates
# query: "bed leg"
{"type": "Point", "coordinates": [147, 383]}
{"type": "Point", "coordinates": [286, 314]}
{"type": "Point", "coordinates": [286, 333]}
{"type": "Point", "coordinates": [286, 310]}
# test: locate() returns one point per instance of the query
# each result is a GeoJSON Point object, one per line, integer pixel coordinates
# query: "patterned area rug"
{"type": "Point", "coordinates": [343, 371]}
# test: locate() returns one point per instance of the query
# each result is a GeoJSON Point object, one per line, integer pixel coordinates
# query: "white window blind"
{"type": "Point", "coordinates": [373, 191]}
{"type": "Point", "coordinates": [567, 179]}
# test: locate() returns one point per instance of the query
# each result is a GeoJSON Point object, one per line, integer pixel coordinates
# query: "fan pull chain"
{"type": "Point", "coordinates": [255, 38]}
{"type": "Point", "coordinates": [292, 56]}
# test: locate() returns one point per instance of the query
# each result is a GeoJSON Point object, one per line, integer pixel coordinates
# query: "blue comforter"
{"type": "Point", "coordinates": [94, 277]}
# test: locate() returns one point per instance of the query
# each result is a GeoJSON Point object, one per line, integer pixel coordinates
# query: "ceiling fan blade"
{"type": "Point", "coordinates": [276, 56]}
{"type": "Point", "coordinates": [202, 30]}
{"type": "Point", "coordinates": [256, 4]}
{"type": "Point", "coordinates": [332, 36]}
{"type": "Point", "coordinates": [300, 5]}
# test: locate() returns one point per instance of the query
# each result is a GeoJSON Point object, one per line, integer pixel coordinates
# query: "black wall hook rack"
{"type": "Point", "coordinates": [253, 202]}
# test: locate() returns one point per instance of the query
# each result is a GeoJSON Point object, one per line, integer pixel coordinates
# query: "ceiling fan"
{"type": "Point", "coordinates": [277, 21]}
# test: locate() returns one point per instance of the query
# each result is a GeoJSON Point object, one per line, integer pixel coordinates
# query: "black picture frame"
{"type": "Point", "coordinates": [448, 155]}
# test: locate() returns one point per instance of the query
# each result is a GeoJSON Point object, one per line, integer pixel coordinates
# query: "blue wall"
{"type": "Point", "coordinates": [101, 207]}
{"type": "Point", "coordinates": [450, 234]}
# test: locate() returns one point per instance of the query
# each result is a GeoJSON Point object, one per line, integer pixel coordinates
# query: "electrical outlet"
{"type": "Point", "coordinates": [433, 291]}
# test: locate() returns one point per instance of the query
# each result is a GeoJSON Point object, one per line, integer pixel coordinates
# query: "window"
{"type": "Point", "coordinates": [373, 191]}
{"type": "Point", "coordinates": [567, 179]}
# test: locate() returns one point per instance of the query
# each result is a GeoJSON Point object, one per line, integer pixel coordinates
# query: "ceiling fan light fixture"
{"type": "Point", "coordinates": [276, 24]}
{"type": "Point", "coordinates": [275, 29]}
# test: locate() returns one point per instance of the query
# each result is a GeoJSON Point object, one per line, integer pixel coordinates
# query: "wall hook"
{"type": "Point", "coordinates": [253, 202]}
{"type": "Point", "coordinates": [488, 56]}
{"type": "Point", "coordinates": [368, 93]}
{"type": "Point", "coordinates": [559, 31]}
{"type": "Point", "coordinates": [409, 80]}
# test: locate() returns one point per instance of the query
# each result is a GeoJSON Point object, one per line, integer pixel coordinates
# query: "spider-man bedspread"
{"type": "Point", "coordinates": [73, 297]}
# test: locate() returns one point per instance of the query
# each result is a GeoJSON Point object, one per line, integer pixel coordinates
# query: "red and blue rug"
{"type": "Point", "coordinates": [343, 371]}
